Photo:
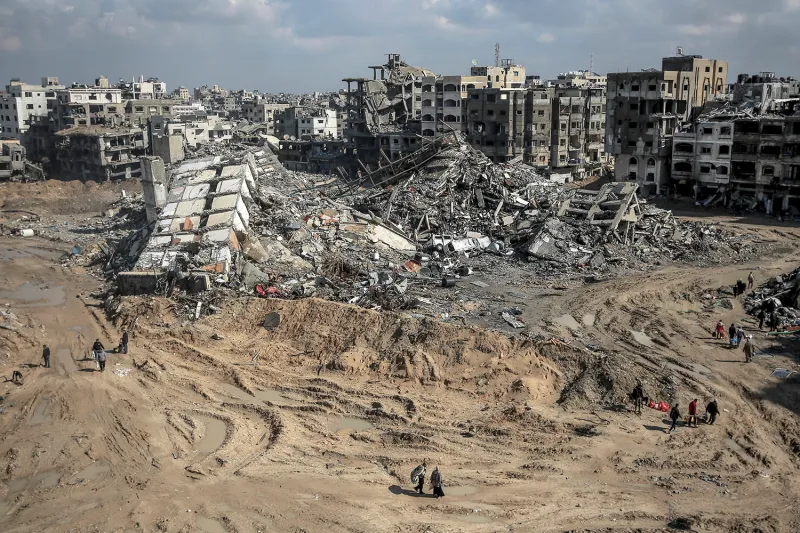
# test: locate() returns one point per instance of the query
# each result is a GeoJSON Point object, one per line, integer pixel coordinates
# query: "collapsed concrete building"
{"type": "Point", "coordinates": [200, 219]}
{"type": "Point", "coordinates": [384, 115]}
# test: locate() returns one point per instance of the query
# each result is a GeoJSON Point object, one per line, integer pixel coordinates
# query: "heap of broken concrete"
{"type": "Point", "coordinates": [241, 221]}
{"type": "Point", "coordinates": [778, 297]}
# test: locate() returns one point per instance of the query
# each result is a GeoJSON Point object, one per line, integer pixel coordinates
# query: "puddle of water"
{"type": "Point", "coordinates": [92, 472]}
{"type": "Point", "coordinates": [238, 394]}
{"type": "Point", "coordinates": [215, 434]}
{"type": "Point", "coordinates": [9, 254]}
{"type": "Point", "coordinates": [475, 518]}
{"type": "Point", "coordinates": [588, 319]}
{"type": "Point", "coordinates": [35, 295]}
{"type": "Point", "coordinates": [41, 481]}
{"type": "Point", "coordinates": [462, 490]}
{"type": "Point", "coordinates": [40, 413]}
{"type": "Point", "coordinates": [345, 424]}
{"type": "Point", "coordinates": [567, 321]}
{"type": "Point", "coordinates": [209, 526]}
{"type": "Point", "coordinates": [272, 396]}
{"type": "Point", "coordinates": [642, 338]}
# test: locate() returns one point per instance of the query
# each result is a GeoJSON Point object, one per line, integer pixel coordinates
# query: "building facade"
{"type": "Point", "coordinates": [644, 108]}
{"type": "Point", "coordinates": [444, 102]}
{"type": "Point", "coordinates": [496, 122]}
{"type": "Point", "coordinates": [23, 104]}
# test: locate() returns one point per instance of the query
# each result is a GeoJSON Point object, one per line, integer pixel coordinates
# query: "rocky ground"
{"type": "Point", "coordinates": [315, 422]}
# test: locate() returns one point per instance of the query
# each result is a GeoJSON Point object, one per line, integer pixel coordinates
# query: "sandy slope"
{"type": "Point", "coordinates": [323, 433]}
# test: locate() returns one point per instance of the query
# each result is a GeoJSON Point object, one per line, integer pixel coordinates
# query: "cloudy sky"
{"type": "Point", "coordinates": [306, 45]}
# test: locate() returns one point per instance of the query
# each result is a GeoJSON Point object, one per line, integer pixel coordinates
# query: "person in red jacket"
{"type": "Point", "coordinates": [693, 413]}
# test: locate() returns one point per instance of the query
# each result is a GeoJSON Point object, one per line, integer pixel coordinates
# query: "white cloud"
{"type": "Point", "coordinates": [490, 10]}
{"type": "Point", "coordinates": [10, 43]}
{"type": "Point", "coordinates": [736, 19]}
{"type": "Point", "coordinates": [546, 38]}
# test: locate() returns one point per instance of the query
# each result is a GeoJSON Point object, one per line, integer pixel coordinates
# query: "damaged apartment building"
{"type": "Point", "coordinates": [740, 154]}
{"type": "Point", "coordinates": [98, 152]}
{"type": "Point", "coordinates": [200, 215]}
{"type": "Point", "coordinates": [384, 113]}
{"type": "Point", "coordinates": [644, 109]}
{"type": "Point", "coordinates": [560, 129]}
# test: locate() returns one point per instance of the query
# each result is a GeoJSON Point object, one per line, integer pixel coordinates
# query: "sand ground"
{"type": "Point", "coordinates": [322, 433]}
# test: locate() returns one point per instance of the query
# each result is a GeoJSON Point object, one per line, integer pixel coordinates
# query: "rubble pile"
{"type": "Point", "coordinates": [391, 245]}
{"type": "Point", "coordinates": [106, 241]}
{"type": "Point", "coordinates": [779, 297]}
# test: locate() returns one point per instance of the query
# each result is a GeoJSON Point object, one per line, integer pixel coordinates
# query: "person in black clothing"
{"type": "Point", "coordinates": [732, 331]}
{"type": "Point", "coordinates": [421, 483]}
{"type": "Point", "coordinates": [16, 377]}
{"type": "Point", "coordinates": [123, 345]}
{"type": "Point", "coordinates": [97, 347]}
{"type": "Point", "coordinates": [712, 411]}
{"type": "Point", "coordinates": [761, 317]}
{"type": "Point", "coordinates": [638, 398]}
{"type": "Point", "coordinates": [774, 321]}
{"type": "Point", "coordinates": [46, 356]}
{"type": "Point", "coordinates": [674, 414]}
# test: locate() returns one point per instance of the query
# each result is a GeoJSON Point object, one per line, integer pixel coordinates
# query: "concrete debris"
{"type": "Point", "coordinates": [779, 298]}
{"type": "Point", "coordinates": [402, 238]}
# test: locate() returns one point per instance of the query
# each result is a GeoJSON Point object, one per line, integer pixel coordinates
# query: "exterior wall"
{"type": "Point", "coordinates": [22, 103]}
{"type": "Point", "coordinates": [496, 122]}
{"type": "Point", "coordinates": [703, 155]}
{"type": "Point", "coordinates": [538, 123]}
{"type": "Point", "coordinates": [444, 102]}
{"type": "Point", "coordinates": [501, 77]}
{"type": "Point", "coordinates": [644, 108]}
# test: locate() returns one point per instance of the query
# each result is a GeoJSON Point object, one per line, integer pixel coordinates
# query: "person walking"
{"type": "Point", "coordinates": [761, 317]}
{"type": "Point", "coordinates": [638, 398]}
{"type": "Point", "coordinates": [123, 345]}
{"type": "Point", "coordinates": [750, 281]}
{"type": "Point", "coordinates": [774, 321]}
{"type": "Point", "coordinates": [436, 483]}
{"type": "Point", "coordinates": [46, 356]}
{"type": "Point", "coordinates": [420, 472]}
{"type": "Point", "coordinates": [739, 337]}
{"type": "Point", "coordinates": [712, 411]}
{"type": "Point", "coordinates": [693, 413]}
{"type": "Point", "coordinates": [101, 360]}
{"type": "Point", "coordinates": [719, 331]}
{"type": "Point", "coordinates": [674, 415]}
{"type": "Point", "coordinates": [749, 350]}
{"type": "Point", "coordinates": [97, 347]}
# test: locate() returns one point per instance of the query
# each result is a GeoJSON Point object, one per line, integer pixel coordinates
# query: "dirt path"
{"type": "Point", "coordinates": [178, 435]}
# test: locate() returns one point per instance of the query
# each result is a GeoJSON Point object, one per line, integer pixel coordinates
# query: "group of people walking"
{"type": "Point", "coordinates": [418, 477]}
{"type": "Point", "coordinates": [99, 353]}
{"type": "Point", "coordinates": [712, 411]}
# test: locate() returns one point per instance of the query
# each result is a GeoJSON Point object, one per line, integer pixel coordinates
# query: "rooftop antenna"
{"type": "Point", "coordinates": [497, 54]}
{"type": "Point", "coordinates": [680, 50]}
{"type": "Point", "coordinates": [591, 64]}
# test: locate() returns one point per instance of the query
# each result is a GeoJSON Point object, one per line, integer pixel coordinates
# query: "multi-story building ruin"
{"type": "Point", "coordinates": [100, 153]}
{"type": "Point", "coordinates": [763, 87]}
{"type": "Point", "coordinates": [305, 123]}
{"type": "Point", "coordinates": [384, 114]}
{"type": "Point", "coordinates": [444, 102]}
{"type": "Point", "coordinates": [739, 151]}
{"type": "Point", "coordinates": [644, 108]}
{"type": "Point", "coordinates": [24, 104]}
{"type": "Point", "coordinates": [88, 106]}
{"type": "Point", "coordinates": [497, 122]}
